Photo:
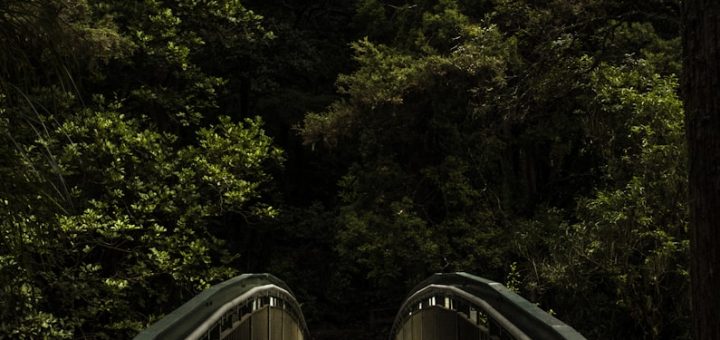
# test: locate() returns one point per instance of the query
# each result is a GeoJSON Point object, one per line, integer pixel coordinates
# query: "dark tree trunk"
{"type": "Point", "coordinates": [701, 87]}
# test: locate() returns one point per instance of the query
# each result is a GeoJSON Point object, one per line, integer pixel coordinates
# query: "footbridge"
{"type": "Point", "coordinates": [246, 307]}
{"type": "Point", "coordinates": [453, 306]}
{"type": "Point", "coordinates": [459, 306]}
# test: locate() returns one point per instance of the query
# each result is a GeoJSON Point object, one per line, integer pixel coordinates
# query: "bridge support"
{"type": "Point", "coordinates": [456, 306]}
{"type": "Point", "coordinates": [460, 306]}
{"type": "Point", "coordinates": [247, 307]}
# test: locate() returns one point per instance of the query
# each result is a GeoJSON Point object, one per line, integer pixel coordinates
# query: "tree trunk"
{"type": "Point", "coordinates": [701, 87]}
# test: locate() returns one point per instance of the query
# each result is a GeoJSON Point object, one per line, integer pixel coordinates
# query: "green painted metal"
{"type": "Point", "coordinates": [194, 314]}
{"type": "Point", "coordinates": [517, 317]}
{"type": "Point", "coordinates": [450, 306]}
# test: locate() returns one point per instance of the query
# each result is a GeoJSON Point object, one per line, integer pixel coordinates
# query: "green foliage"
{"type": "Point", "coordinates": [49, 39]}
{"type": "Point", "coordinates": [407, 212]}
{"type": "Point", "coordinates": [110, 222]}
{"type": "Point", "coordinates": [532, 137]}
{"type": "Point", "coordinates": [169, 77]}
{"type": "Point", "coordinates": [132, 236]}
{"type": "Point", "coordinates": [537, 143]}
{"type": "Point", "coordinates": [627, 252]}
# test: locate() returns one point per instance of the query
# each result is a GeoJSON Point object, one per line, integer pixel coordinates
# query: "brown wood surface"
{"type": "Point", "coordinates": [701, 90]}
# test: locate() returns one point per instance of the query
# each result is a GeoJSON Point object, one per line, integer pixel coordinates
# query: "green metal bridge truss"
{"type": "Point", "coordinates": [454, 306]}
{"type": "Point", "coordinates": [249, 306]}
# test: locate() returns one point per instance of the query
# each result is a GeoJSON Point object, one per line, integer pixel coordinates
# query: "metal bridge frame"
{"type": "Point", "coordinates": [444, 306]}
{"type": "Point", "coordinates": [497, 311]}
{"type": "Point", "coordinates": [219, 310]}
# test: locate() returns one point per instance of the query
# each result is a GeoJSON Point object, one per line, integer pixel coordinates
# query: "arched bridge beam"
{"type": "Point", "coordinates": [246, 307]}
{"type": "Point", "coordinates": [458, 306]}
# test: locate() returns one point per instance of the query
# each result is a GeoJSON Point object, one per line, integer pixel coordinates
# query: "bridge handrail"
{"type": "Point", "coordinates": [526, 316]}
{"type": "Point", "coordinates": [204, 309]}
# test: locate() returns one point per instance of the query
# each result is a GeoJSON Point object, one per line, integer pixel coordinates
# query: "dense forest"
{"type": "Point", "coordinates": [151, 148]}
